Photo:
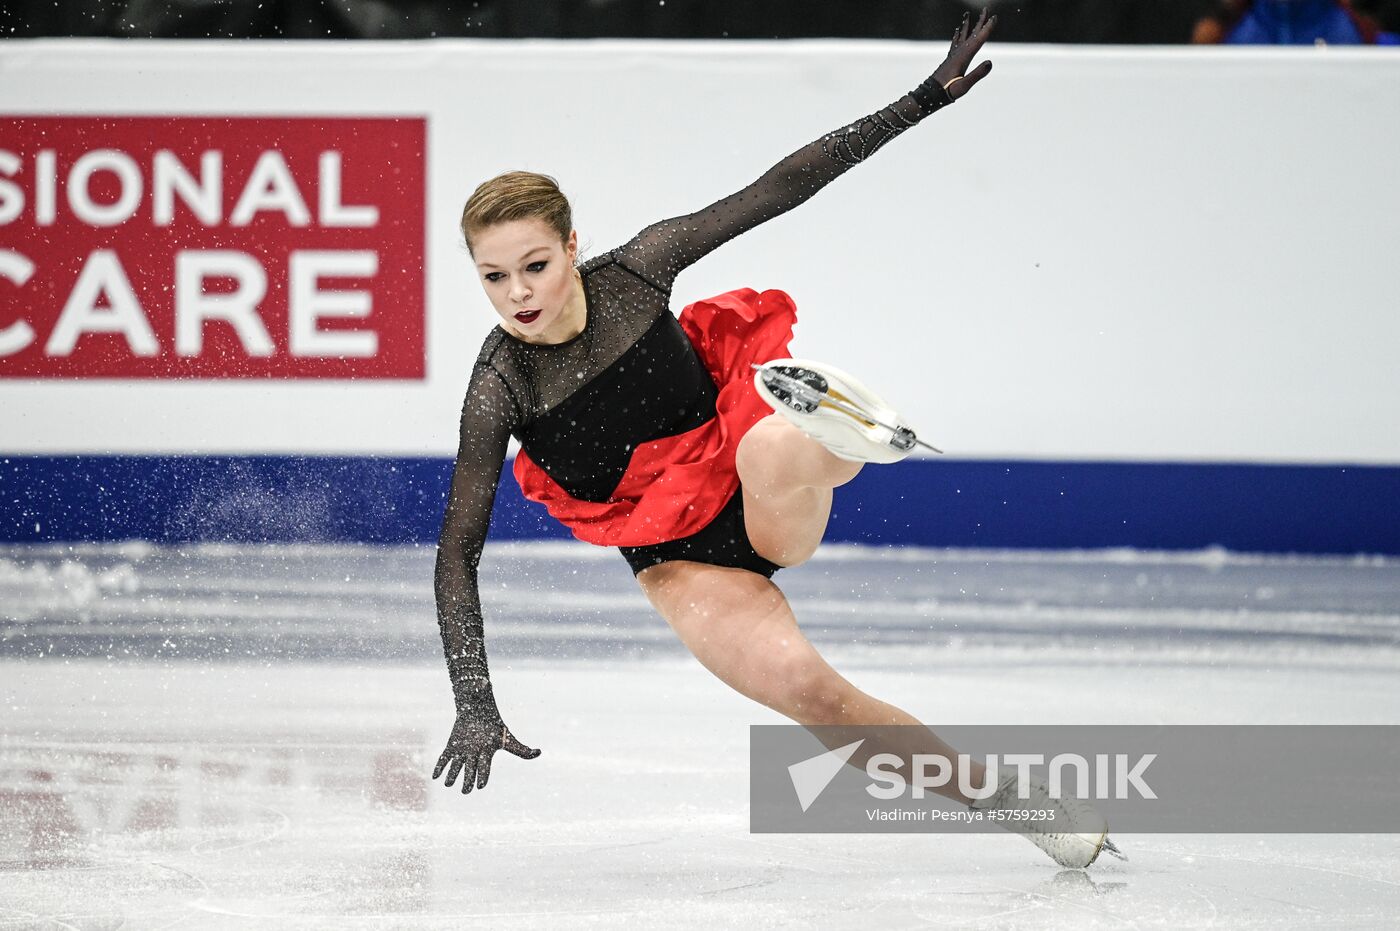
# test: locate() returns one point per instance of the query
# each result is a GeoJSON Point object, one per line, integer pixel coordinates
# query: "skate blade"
{"type": "Point", "coordinates": [1112, 848]}
{"type": "Point", "coordinates": [903, 438]}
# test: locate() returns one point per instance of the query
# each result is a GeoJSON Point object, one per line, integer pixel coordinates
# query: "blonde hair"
{"type": "Point", "coordinates": [517, 195]}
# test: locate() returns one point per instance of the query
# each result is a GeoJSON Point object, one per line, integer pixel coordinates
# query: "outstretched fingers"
{"type": "Point", "coordinates": [452, 770]}
{"type": "Point", "coordinates": [470, 770]}
{"type": "Point", "coordinates": [472, 760]}
{"type": "Point", "coordinates": [483, 770]}
{"type": "Point", "coordinates": [969, 44]}
{"type": "Point", "coordinates": [967, 31]}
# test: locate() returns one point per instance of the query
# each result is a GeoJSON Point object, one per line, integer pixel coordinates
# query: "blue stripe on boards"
{"type": "Point", "coordinates": [1044, 505]}
{"type": "Point", "coordinates": [1057, 505]}
{"type": "Point", "coordinates": [257, 499]}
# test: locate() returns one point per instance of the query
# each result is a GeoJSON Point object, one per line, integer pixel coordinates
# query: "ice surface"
{"type": "Point", "coordinates": [241, 737]}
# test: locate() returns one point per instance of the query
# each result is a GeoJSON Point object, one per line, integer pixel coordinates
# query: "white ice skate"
{"type": "Point", "coordinates": [1075, 836]}
{"type": "Point", "coordinates": [836, 410]}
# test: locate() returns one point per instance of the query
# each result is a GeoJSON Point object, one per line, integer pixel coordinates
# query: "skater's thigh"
{"type": "Point", "coordinates": [787, 479]}
{"type": "Point", "coordinates": [740, 626]}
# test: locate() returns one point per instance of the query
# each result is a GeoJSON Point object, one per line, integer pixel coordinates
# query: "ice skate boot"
{"type": "Point", "coordinates": [836, 410]}
{"type": "Point", "coordinates": [1073, 839]}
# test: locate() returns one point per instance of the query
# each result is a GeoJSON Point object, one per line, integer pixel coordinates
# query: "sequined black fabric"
{"type": "Point", "coordinates": [580, 407]}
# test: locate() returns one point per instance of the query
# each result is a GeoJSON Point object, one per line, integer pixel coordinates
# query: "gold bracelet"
{"type": "Point", "coordinates": [947, 87]}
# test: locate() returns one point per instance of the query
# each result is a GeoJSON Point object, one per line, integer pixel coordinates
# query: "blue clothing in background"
{"type": "Point", "coordinates": [1300, 22]}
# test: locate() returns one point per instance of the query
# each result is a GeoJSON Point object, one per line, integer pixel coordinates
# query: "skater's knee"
{"type": "Point", "coordinates": [815, 695]}
{"type": "Point", "coordinates": [759, 458]}
{"type": "Point", "coordinates": [775, 456]}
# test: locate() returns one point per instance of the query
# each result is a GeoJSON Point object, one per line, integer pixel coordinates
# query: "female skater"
{"type": "Point", "coordinates": [651, 434]}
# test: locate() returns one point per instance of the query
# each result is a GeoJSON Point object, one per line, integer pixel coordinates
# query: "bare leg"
{"type": "Point", "coordinates": [787, 479]}
{"type": "Point", "coordinates": [741, 628]}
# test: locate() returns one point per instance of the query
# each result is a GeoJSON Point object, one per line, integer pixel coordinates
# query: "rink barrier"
{"type": "Point", "coordinates": [1266, 508]}
{"type": "Point", "coordinates": [1145, 268]}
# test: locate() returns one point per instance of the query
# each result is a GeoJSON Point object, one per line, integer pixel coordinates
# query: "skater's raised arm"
{"type": "Point", "coordinates": [488, 416]}
{"type": "Point", "coordinates": [662, 250]}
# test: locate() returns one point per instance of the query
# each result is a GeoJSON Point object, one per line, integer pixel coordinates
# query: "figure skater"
{"type": "Point", "coordinates": [654, 435]}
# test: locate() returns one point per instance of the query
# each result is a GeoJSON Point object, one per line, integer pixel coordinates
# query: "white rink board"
{"type": "Point", "coordinates": [1141, 254]}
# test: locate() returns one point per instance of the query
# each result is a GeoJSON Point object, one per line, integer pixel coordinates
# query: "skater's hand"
{"type": "Point", "coordinates": [953, 75]}
{"type": "Point", "coordinates": [475, 739]}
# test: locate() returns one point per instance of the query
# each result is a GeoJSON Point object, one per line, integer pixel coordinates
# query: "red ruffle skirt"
{"type": "Point", "coordinates": [676, 485]}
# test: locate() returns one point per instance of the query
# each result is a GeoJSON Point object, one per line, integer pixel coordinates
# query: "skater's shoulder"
{"type": "Point", "coordinates": [597, 262]}
{"type": "Point", "coordinates": [643, 268]}
{"type": "Point", "coordinates": [499, 363]}
{"type": "Point", "coordinates": [622, 267]}
{"type": "Point", "coordinates": [498, 353]}
{"type": "Point", "coordinates": [492, 346]}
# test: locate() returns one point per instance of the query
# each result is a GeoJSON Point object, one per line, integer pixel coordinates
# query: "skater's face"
{"type": "Point", "coordinates": [528, 274]}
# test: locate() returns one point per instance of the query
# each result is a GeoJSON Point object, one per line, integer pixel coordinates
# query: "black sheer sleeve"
{"type": "Point", "coordinates": [489, 415]}
{"type": "Point", "coordinates": [663, 249]}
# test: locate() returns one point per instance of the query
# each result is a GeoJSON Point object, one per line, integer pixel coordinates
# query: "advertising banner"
{"type": "Point", "coordinates": [219, 247]}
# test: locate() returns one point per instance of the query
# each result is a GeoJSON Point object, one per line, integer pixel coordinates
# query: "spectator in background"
{"type": "Point", "coordinates": [1290, 22]}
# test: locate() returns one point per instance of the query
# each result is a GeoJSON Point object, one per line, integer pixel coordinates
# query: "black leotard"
{"type": "Point", "coordinates": [580, 407]}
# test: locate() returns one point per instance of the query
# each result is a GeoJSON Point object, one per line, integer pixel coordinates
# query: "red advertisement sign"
{"type": "Point", "coordinates": [176, 247]}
